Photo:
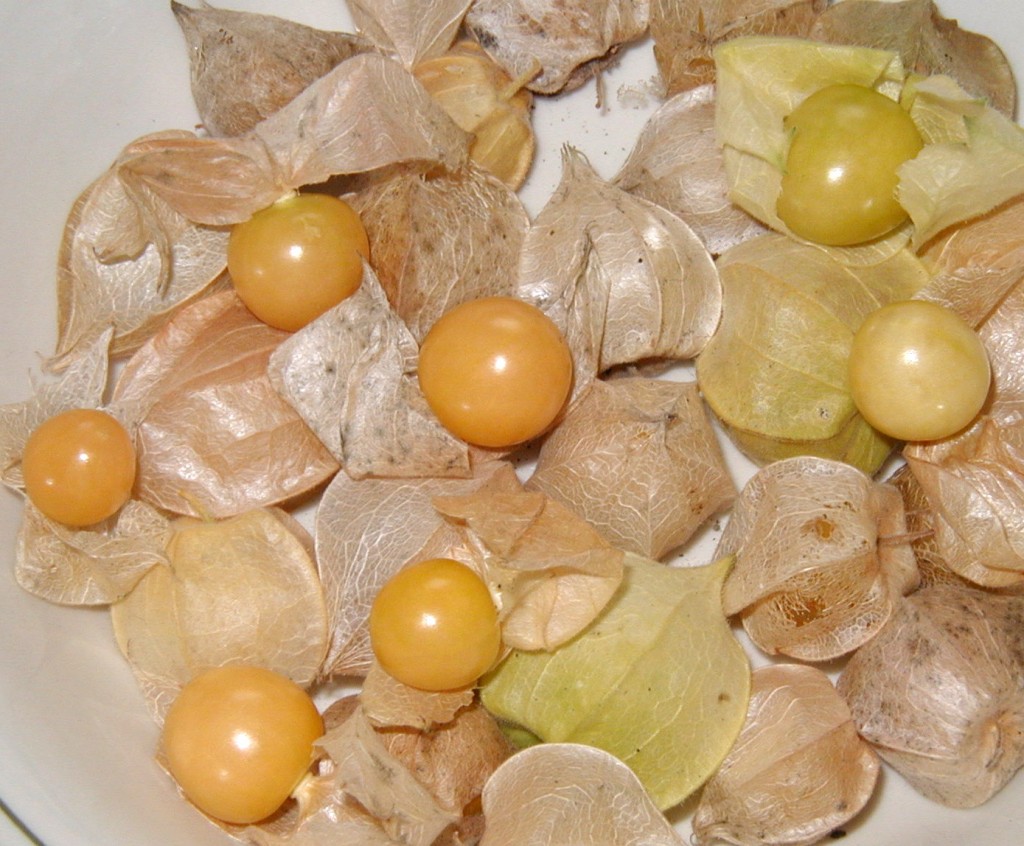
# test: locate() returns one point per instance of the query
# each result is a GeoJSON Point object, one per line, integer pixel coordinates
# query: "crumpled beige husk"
{"type": "Point", "coordinates": [574, 794]}
{"type": "Point", "coordinates": [927, 42]}
{"type": "Point", "coordinates": [624, 279]}
{"type": "Point", "coordinates": [686, 31]}
{"type": "Point", "coordinates": [973, 481]}
{"type": "Point", "coordinates": [212, 435]}
{"type": "Point", "coordinates": [351, 375]}
{"type": "Point", "coordinates": [798, 770]}
{"type": "Point", "coordinates": [390, 704]}
{"type": "Point", "coordinates": [246, 66]}
{"type": "Point", "coordinates": [440, 238]}
{"type": "Point", "coordinates": [938, 692]}
{"type": "Point", "coordinates": [638, 460]}
{"type": "Point", "coordinates": [821, 558]}
{"type": "Point", "coordinates": [677, 163]}
{"type": "Point", "coordinates": [563, 41]}
{"type": "Point", "coordinates": [411, 30]}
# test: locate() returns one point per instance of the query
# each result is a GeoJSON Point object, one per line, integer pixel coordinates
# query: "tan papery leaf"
{"type": "Point", "coordinates": [214, 438]}
{"type": "Point", "coordinates": [563, 42]}
{"type": "Point", "coordinates": [624, 279]}
{"type": "Point", "coordinates": [938, 692]}
{"type": "Point", "coordinates": [817, 570]}
{"type": "Point", "coordinates": [246, 66]}
{"type": "Point", "coordinates": [351, 375]}
{"type": "Point", "coordinates": [390, 704]}
{"type": "Point", "coordinates": [798, 770]}
{"type": "Point", "coordinates": [575, 794]}
{"type": "Point", "coordinates": [441, 238]}
{"type": "Point", "coordinates": [686, 31]}
{"type": "Point", "coordinates": [677, 163]}
{"type": "Point", "coordinates": [410, 29]}
{"type": "Point", "coordinates": [639, 461]}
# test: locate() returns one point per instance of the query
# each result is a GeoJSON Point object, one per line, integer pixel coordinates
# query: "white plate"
{"type": "Point", "coordinates": [80, 80]}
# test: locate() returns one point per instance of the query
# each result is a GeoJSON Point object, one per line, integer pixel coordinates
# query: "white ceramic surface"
{"type": "Point", "coordinates": [78, 80]}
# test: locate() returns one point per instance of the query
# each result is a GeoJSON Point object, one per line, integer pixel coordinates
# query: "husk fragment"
{"type": "Point", "coordinates": [798, 770]}
{"type": "Point", "coordinates": [246, 66]}
{"type": "Point", "coordinates": [390, 704]}
{"type": "Point", "coordinates": [938, 692]}
{"type": "Point", "coordinates": [638, 460]}
{"type": "Point", "coordinates": [820, 558]}
{"type": "Point", "coordinates": [412, 30]}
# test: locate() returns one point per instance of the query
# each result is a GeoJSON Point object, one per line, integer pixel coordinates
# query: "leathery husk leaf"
{"type": "Point", "coordinates": [560, 41]}
{"type": "Point", "coordinates": [677, 163]}
{"type": "Point", "coordinates": [127, 259]}
{"type": "Point", "coordinates": [548, 570]}
{"type": "Point", "coordinates": [366, 531]}
{"type": "Point", "coordinates": [658, 680]}
{"type": "Point", "coordinates": [820, 558]}
{"type": "Point", "coordinates": [351, 375]}
{"type": "Point", "coordinates": [410, 29]}
{"type": "Point", "coordinates": [926, 41]}
{"type": "Point", "coordinates": [780, 386]}
{"type": "Point", "coordinates": [441, 238]}
{"type": "Point", "coordinates": [798, 770]}
{"type": "Point", "coordinates": [686, 31]}
{"type": "Point", "coordinates": [938, 692]}
{"type": "Point", "coordinates": [623, 278]}
{"type": "Point", "coordinates": [638, 460]}
{"type": "Point", "coordinates": [973, 480]}
{"type": "Point", "coordinates": [244, 590]}
{"type": "Point", "coordinates": [246, 66]}
{"type": "Point", "coordinates": [212, 435]}
{"type": "Point", "coordinates": [569, 790]}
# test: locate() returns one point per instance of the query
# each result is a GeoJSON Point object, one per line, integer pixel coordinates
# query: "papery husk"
{"type": "Point", "coordinates": [246, 66]}
{"type": "Point", "coordinates": [624, 279]}
{"type": "Point", "coordinates": [351, 375]}
{"type": "Point", "coordinates": [938, 692]}
{"type": "Point", "coordinates": [686, 31]}
{"type": "Point", "coordinates": [677, 163]}
{"type": "Point", "coordinates": [412, 30]}
{"type": "Point", "coordinates": [390, 704]}
{"type": "Point", "coordinates": [128, 259]}
{"type": "Point", "coordinates": [562, 40]}
{"type": "Point", "coordinates": [575, 794]}
{"type": "Point", "coordinates": [927, 42]}
{"type": "Point", "coordinates": [780, 385]}
{"type": "Point", "coordinates": [366, 531]}
{"type": "Point", "coordinates": [638, 460]}
{"type": "Point", "coordinates": [484, 100]}
{"type": "Point", "coordinates": [95, 566]}
{"type": "Point", "coordinates": [821, 558]}
{"type": "Point", "coordinates": [440, 238]}
{"type": "Point", "coordinates": [212, 435]}
{"type": "Point", "coordinates": [797, 771]}
{"type": "Point", "coordinates": [239, 591]}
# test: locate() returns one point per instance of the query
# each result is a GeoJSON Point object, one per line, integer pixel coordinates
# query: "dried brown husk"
{"type": "Point", "coordinates": [938, 692]}
{"type": "Point", "coordinates": [625, 279]}
{"type": "Point", "coordinates": [239, 591]}
{"type": "Point", "coordinates": [127, 259]}
{"type": "Point", "coordinates": [412, 30]}
{"type": "Point", "coordinates": [485, 101]}
{"type": "Point", "coordinates": [441, 238]}
{"type": "Point", "coordinates": [677, 164]}
{"type": "Point", "coordinates": [638, 460]}
{"type": "Point", "coordinates": [560, 40]}
{"type": "Point", "coordinates": [974, 480]}
{"type": "Point", "coordinates": [798, 770]}
{"type": "Point", "coordinates": [213, 436]}
{"type": "Point", "coordinates": [821, 558]}
{"type": "Point", "coordinates": [351, 375]}
{"type": "Point", "coordinates": [246, 66]}
{"type": "Point", "coordinates": [927, 42]}
{"type": "Point", "coordinates": [366, 531]}
{"type": "Point", "coordinates": [686, 31]}
{"type": "Point", "coordinates": [780, 386]}
{"type": "Point", "coordinates": [575, 794]}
